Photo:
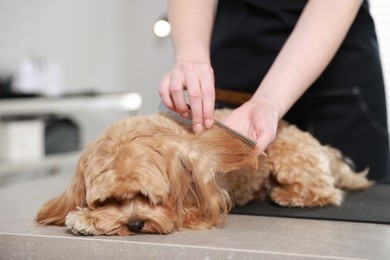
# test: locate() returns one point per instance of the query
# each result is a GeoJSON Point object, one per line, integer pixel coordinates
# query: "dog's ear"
{"type": "Point", "coordinates": [204, 159]}
{"type": "Point", "coordinates": [55, 210]}
{"type": "Point", "coordinates": [226, 150]}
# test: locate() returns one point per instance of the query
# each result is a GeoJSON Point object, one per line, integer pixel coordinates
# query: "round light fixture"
{"type": "Point", "coordinates": [162, 28]}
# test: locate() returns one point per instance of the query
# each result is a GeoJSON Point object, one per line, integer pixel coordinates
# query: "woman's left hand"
{"type": "Point", "coordinates": [257, 121]}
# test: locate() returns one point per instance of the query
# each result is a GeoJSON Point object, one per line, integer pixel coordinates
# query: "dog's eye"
{"type": "Point", "coordinates": [136, 225]}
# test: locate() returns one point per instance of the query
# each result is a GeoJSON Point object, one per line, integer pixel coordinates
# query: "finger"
{"type": "Point", "coordinates": [264, 139]}
{"type": "Point", "coordinates": [164, 92]}
{"type": "Point", "coordinates": [176, 91]}
{"type": "Point", "coordinates": [208, 92]}
{"type": "Point", "coordinates": [195, 98]}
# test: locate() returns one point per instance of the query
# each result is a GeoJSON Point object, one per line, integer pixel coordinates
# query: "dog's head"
{"type": "Point", "coordinates": [156, 180]}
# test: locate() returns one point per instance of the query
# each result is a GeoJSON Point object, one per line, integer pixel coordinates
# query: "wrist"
{"type": "Point", "coordinates": [192, 58]}
{"type": "Point", "coordinates": [264, 99]}
{"type": "Point", "coordinates": [197, 54]}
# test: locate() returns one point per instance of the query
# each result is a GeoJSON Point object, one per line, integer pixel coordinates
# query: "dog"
{"type": "Point", "coordinates": [152, 174]}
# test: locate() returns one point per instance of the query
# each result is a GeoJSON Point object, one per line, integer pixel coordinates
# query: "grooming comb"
{"type": "Point", "coordinates": [231, 132]}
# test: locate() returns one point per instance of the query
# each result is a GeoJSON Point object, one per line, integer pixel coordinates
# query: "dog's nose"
{"type": "Point", "coordinates": [136, 225]}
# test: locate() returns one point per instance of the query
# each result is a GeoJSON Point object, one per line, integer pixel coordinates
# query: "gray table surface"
{"type": "Point", "coordinates": [242, 237]}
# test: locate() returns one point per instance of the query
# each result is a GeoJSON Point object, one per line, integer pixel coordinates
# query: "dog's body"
{"type": "Point", "coordinates": [151, 174]}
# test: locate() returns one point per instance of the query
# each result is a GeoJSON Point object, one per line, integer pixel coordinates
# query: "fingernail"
{"type": "Point", "coordinates": [208, 123]}
{"type": "Point", "coordinates": [198, 128]}
{"type": "Point", "coordinates": [185, 115]}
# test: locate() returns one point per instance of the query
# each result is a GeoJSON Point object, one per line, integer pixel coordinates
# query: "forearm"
{"type": "Point", "coordinates": [316, 38]}
{"type": "Point", "coordinates": [191, 22]}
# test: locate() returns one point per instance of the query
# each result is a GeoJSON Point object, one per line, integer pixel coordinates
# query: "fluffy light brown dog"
{"type": "Point", "coordinates": [151, 174]}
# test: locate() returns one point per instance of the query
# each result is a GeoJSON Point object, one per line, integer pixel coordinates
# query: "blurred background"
{"type": "Point", "coordinates": [82, 47]}
{"type": "Point", "coordinates": [107, 46]}
{"type": "Point", "coordinates": [103, 46]}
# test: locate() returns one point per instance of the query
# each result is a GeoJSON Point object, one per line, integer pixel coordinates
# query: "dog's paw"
{"type": "Point", "coordinates": [79, 224]}
{"type": "Point", "coordinates": [313, 198]}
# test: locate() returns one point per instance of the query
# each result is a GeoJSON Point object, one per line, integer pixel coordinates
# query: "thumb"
{"type": "Point", "coordinates": [264, 139]}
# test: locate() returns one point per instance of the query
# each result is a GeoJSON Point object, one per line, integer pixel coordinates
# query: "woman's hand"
{"type": "Point", "coordinates": [255, 120]}
{"type": "Point", "coordinates": [198, 80]}
{"type": "Point", "coordinates": [191, 22]}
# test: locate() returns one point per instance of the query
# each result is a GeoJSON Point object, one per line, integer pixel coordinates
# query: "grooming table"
{"type": "Point", "coordinates": [242, 237]}
{"type": "Point", "coordinates": [370, 206]}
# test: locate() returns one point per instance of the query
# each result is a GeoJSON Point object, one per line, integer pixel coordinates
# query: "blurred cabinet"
{"type": "Point", "coordinates": [91, 113]}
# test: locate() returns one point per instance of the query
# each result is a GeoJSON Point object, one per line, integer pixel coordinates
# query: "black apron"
{"type": "Point", "coordinates": [345, 107]}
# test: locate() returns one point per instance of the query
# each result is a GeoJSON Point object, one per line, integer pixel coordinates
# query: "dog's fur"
{"type": "Point", "coordinates": [151, 174]}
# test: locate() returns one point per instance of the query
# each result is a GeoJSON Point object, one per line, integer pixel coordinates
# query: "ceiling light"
{"type": "Point", "coordinates": [162, 28]}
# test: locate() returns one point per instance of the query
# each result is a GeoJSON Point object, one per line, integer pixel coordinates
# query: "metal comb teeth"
{"type": "Point", "coordinates": [236, 134]}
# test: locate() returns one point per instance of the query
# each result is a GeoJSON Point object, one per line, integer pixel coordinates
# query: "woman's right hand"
{"type": "Point", "coordinates": [192, 24]}
{"type": "Point", "coordinates": [197, 79]}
